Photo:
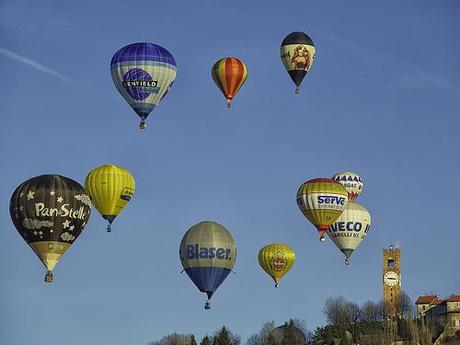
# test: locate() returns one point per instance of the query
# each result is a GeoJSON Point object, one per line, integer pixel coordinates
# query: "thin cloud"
{"type": "Point", "coordinates": [35, 65]}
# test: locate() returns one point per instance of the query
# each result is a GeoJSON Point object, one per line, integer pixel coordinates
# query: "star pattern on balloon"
{"type": "Point", "coordinates": [52, 192]}
{"type": "Point", "coordinates": [30, 195]}
{"type": "Point", "coordinates": [60, 199]}
{"type": "Point", "coordinates": [65, 224]}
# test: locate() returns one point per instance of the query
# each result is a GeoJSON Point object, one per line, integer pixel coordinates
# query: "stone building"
{"type": "Point", "coordinates": [444, 313]}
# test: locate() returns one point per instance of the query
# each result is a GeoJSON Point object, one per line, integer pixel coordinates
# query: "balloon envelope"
{"type": "Point", "coordinates": [352, 183]}
{"type": "Point", "coordinates": [143, 73]}
{"type": "Point", "coordinates": [350, 229]}
{"type": "Point", "coordinates": [322, 201]}
{"type": "Point", "coordinates": [297, 54]}
{"type": "Point", "coordinates": [208, 254]}
{"type": "Point", "coordinates": [49, 212]}
{"type": "Point", "coordinates": [229, 74]}
{"type": "Point", "coordinates": [276, 259]}
{"type": "Point", "coordinates": [111, 188]}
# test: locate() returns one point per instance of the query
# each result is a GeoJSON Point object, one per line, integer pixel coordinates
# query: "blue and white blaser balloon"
{"type": "Point", "coordinates": [207, 253]}
{"type": "Point", "coordinates": [143, 73]}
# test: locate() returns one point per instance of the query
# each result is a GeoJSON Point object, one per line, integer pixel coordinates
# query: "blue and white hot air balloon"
{"type": "Point", "coordinates": [207, 253]}
{"type": "Point", "coordinates": [143, 73]}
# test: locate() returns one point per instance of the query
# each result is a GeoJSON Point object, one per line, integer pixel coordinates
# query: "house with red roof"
{"type": "Point", "coordinates": [444, 313]}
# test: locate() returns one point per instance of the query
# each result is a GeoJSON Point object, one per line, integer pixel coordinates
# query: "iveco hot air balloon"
{"type": "Point", "coordinates": [322, 201]}
{"type": "Point", "coordinates": [110, 187]}
{"type": "Point", "coordinates": [229, 74]}
{"type": "Point", "coordinates": [352, 183]}
{"type": "Point", "coordinates": [49, 212]}
{"type": "Point", "coordinates": [207, 253]}
{"type": "Point", "coordinates": [297, 53]}
{"type": "Point", "coordinates": [350, 229]}
{"type": "Point", "coordinates": [276, 259]}
{"type": "Point", "coordinates": [143, 73]}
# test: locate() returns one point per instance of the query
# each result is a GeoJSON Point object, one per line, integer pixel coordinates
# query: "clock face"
{"type": "Point", "coordinates": [391, 278]}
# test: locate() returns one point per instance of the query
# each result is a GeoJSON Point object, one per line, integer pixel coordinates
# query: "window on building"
{"type": "Point", "coordinates": [391, 263]}
{"type": "Point", "coordinates": [457, 323]}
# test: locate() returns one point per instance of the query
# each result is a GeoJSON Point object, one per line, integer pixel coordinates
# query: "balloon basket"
{"type": "Point", "coordinates": [347, 262]}
{"type": "Point", "coordinates": [109, 228]}
{"type": "Point", "coordinates": [49, 277]}
{"type": "Point", "coordinates": [207, 305]}
{"type": "Point", "coordinates": [143, 125]}
{"type": "Point", "coordinates": [229, 104]}
{"type": "Point", "coordinates": [322, 239]}
{"type": "Point", "coordinates": [276, 285]}
{"type": "Point", "coordinates": [297, 90]}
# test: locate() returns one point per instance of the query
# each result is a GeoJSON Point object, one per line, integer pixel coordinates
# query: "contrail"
{"type": "Point", "coordinates": [36, 65]}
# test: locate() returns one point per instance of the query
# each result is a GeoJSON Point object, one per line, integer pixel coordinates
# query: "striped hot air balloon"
{"type": "Point", "coordinates": [229, 74]}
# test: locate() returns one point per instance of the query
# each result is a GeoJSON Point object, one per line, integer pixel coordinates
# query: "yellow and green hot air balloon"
{"type": "Point", "coordinates": [110, 187]}
{"type": "Point", "coordinates": [276, 259]}
{"type": "Point", "coordinates": [322, 201]}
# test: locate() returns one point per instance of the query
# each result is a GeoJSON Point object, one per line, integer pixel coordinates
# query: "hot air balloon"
{"type": "Point", "coordinates": [229, 74]}
{"type": "Point", "coordinates": [208, 254]}
{"type": "Point", "coordinates": [352, 183]}
{"type": "Point", "coordinates": [49, 212]}
{"type": "Point", "coordinates": [110, 187]}
{"type": "Point", "coordinates": [297, 53]}
{"type": "Point", "coordinates": [276, 259]}
{"type": "Point", "coordinates": [143, 73]}
{"type": "Point", "coordinates": [350, 229]}
{"type": "Point", "coordinates": [322, 201]}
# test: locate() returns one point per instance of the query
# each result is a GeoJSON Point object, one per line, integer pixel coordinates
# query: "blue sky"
{"type": "Point", "coordinates": [381, 99]}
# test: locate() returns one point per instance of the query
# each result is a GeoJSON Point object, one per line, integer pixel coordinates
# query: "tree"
{"type": "Point", "coordinates": [406, 307]}
{"type": "Point", "coordinates": [226, 337]}
{"type": "Point", "coordinates": [339, 311]}
{"type": "Point", "coordinates": [262, 337]}
{"type": "Point", "coordinates": [173, 339]}
{"type": "Point", "coordinates": [345, 339]}
{"type": "Point", "coordinates": [329, 336]}
{"type": "Point", "coordinates": [370, 311]}
{"type": "Point", "coordinates": [192, 340]}
{"type": "Point", "coordinates": [205, 340]}
{"type": "Point", "coordinates": [222, 337]}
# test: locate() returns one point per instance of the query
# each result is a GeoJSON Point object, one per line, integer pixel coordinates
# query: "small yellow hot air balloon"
{"type": "Point", "coordinates": [110, 187]}
{"type": "Point", "coordinates": [276, 259]}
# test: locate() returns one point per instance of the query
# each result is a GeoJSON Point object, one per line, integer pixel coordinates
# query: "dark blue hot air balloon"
{"type": "Point", "coordinates": [143, 73]}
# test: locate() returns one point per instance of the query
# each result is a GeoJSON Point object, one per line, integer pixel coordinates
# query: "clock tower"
{"type": "Point", "coordinates": [391, 282]}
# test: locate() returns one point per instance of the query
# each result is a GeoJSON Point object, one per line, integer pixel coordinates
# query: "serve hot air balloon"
{"type": "Point", "coordinates": [49, 212]}
{"type": "Point", "coordinates": [229, 74]}
{"type": "Point", "coordinates": [111, 188]}
{"type": "Point", "coordinates": [322, 201]}
{"type": "Point", "coordinates": [143, 73]}
{"type": "Point", "coordinates": [352, 183]}
{"type": "Point", "coordinates": [276, 259]}
{"type": "Point", "coordinates": [207, 253]}
{"type": "Point", "coordinates": [350, 229]}
{"type": "Point", "coordinates": [297, 53]}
